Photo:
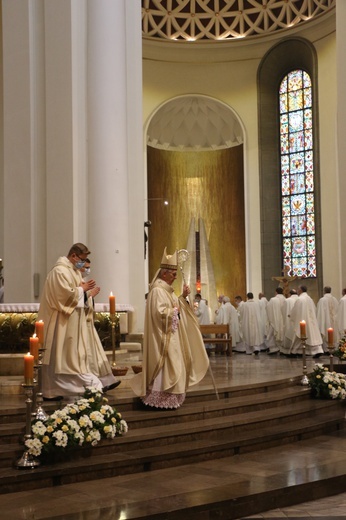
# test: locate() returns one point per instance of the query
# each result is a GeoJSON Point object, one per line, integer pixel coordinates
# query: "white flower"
{"type": "Point", "coordinates": [97, 417]}
{"type": "Point", "coordinates": [74, 426]}
{"type": "Point", "coordinates": [79, 436]}
{"type": "Point", "coordinates": [39, 428]}
{"type": "Point", "coordinates": [61, 438]}
{"type": "Point", "coordinates": [35, 446]}
{"type": "Point", "coordinates": [85, 421]}
{"type": "Point", "coordinates": [123, 426]}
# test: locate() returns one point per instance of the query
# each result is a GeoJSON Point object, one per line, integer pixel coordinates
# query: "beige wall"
{"type": "Point", "coordinates": [326, 51]}
{"type": "Point", "coordinates": [231, 78]}
{"type": "Point", "coordinates": [234, 83]}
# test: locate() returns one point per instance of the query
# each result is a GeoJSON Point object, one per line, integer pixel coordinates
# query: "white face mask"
{"type": "Point", "coordinates": [86, 272]}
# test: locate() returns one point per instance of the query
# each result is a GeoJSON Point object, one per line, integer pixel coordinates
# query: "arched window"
{"type": "Point", "coordinates": [297, 175]}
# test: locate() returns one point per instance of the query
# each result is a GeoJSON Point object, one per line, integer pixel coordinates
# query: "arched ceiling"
{"type": "Point", "coordinates": [220, 20]}
{"type": "Point", "coordinates": [173, 30]}
{"type": "Point", "coordinates": [194, 123]}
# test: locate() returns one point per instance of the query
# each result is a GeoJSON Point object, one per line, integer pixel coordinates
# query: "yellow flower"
{"type": "Point", "coordinates": [45, 439]}
{"type": "Point", "coordinates": [318, 376]}
{"type": "Point", "coordinates": [64, 428]}
{"type": "Point", "coordinates": [50, 429]}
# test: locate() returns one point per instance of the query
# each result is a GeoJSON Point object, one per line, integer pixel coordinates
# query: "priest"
{"type": "Point", "coordinates": [174, 357]}
{"type": "Point", "coordinates": [73, 359]}
{"type": "Point", "coordinates": [305, 310]}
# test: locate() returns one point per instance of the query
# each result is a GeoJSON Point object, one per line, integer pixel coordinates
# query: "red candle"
{"type": "Point", "coordinates": [330, 336]}
{"type": "Point", "coordinates": [28, 369]}
{"type": "Point", "coordinates": [39, 329]}
{"type": "Point", "coordinates": [303, 329]}
{"type": "Point", "coordinates": [34, 347]}
{"type": "Point", "coordinates": [111, 303]}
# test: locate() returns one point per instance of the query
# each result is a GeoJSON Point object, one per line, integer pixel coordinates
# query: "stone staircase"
{"type": "Point", "coordinates": [244, 419]}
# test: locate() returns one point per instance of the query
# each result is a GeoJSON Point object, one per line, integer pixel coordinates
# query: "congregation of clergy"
{"type": "Point", "coordinates": [274, 326]}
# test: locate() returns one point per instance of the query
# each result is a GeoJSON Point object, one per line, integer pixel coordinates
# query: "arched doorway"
{"type": "Point", "coordinates": [196, 179]}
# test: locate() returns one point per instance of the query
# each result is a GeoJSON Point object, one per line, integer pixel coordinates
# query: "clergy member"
{"type": "Point", "coordinates": [174, 357]}
{"type": "Point", "coordinates": [251, 325]}
{"type": "Point", "coordinates": [275, 313]}
{"type": "Point", "coordinates": [288, 324]}
{"type": "Point", "coordinates": [71, 360]}
{"type": "Point", "coordinates": [305, 309]}
{"type": "Point", "coordinates": [342, 314]}
{"type": "Point", "coordinates": [327, 316]}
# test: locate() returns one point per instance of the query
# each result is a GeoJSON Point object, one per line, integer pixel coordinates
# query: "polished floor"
{"type": "Point", "coordinates": [107, 499]}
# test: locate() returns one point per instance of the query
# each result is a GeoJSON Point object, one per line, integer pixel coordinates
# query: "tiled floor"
{"type": "Point", "coordinates": [123, 497]}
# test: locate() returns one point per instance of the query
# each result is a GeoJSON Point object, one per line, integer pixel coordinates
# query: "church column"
{"type": "Point", "coordinates": [23, 146]}
{"type": "Point", "coordinates": [44, 139]}
{"type": "Point", "coordinates": [65, 90]}
{"type": "Point", "coordinates": [115, 158]}
{"type": "Point", "coordinates": [341, 128]}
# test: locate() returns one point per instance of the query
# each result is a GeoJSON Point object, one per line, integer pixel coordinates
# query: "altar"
{"type": "Point", "coordinates": [17, 324]}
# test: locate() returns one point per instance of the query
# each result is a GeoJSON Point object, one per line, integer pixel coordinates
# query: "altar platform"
{"type": "Point", "coordinates": [275, 476]}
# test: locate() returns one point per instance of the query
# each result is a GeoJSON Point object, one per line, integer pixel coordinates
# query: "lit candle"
{"type": "Point", "coordinates": [111, 303]}
{"type": "Point", "coordinates": [303, 329]}
{"type": "Point", "coordinates": [34, 347]}
{"type": "Point", "coordinates": [330, 336]}
{"type": "Point", "coordinates": [39, 329]}
{"type": "Point", "coordinates": [28, 369]}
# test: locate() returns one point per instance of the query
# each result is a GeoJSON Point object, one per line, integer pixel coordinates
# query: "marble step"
{"type": "Point", "coordinates": [212, 407]}
{"type": "Point", "coordinates": [245, 418]}
{"type": "Point", "coordinates": [86, 466]}
{"type": "Point", "coordinates": [215, 414]}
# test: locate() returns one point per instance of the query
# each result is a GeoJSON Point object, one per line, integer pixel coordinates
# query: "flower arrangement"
{"type": "Point", "coordinates": [85, 422]}
{"type": "Point", "coordinates": [340, 351]}
{"type": "Point", "coordinates": [327, 384]}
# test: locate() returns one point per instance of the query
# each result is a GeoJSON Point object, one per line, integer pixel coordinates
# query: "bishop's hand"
{"type": "Point", "coordinates": [186, 291]}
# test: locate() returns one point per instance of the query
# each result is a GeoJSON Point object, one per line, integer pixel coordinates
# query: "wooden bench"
{"type": "Point", "coordinates": [217, 335]}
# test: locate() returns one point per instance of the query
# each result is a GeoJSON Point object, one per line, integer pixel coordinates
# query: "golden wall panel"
{"type": "Point", "coordinates": [207, 185]}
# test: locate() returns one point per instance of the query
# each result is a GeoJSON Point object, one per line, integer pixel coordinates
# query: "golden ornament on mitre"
{"type": "Point", "coordinates": [169, 261]}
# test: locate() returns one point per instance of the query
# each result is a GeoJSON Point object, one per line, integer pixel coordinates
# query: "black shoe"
{"type": "Point", "coordinates": [110, 387]}
{"type": "Point", "coordinates": [317, 356]}
{"type": "Point", "coordinates": [58, 398]}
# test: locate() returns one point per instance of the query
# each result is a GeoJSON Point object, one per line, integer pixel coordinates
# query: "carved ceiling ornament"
{"type": "Point", "coordinates": [203, 20]}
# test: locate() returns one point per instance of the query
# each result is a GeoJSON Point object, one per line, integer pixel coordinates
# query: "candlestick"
{"type": "Point", "coordinates": [305, 379]}
{"type": "Point", "coordinates": [39, 329]}
{"type": "Point", "coordinates": [115, 324]}
{"type": "Point", "coordinates": [303, 329]}
{"type": "Point", "coordinates": [27, 461]}
{"type": "Point", "coordinates": [28, 369]}
{"type": "Point", "coordinates": [34, 348]}
{"type": "Point", "coordinates": [111, 304]}
{"type": "Point", "coordinates": [330, 333]}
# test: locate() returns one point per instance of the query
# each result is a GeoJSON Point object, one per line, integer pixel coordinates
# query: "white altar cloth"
{"type": "Point", "coordinates": [33, 307]}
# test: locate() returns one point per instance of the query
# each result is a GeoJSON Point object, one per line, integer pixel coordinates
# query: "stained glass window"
{"type": "Point", "coordinates": [297, 175]}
